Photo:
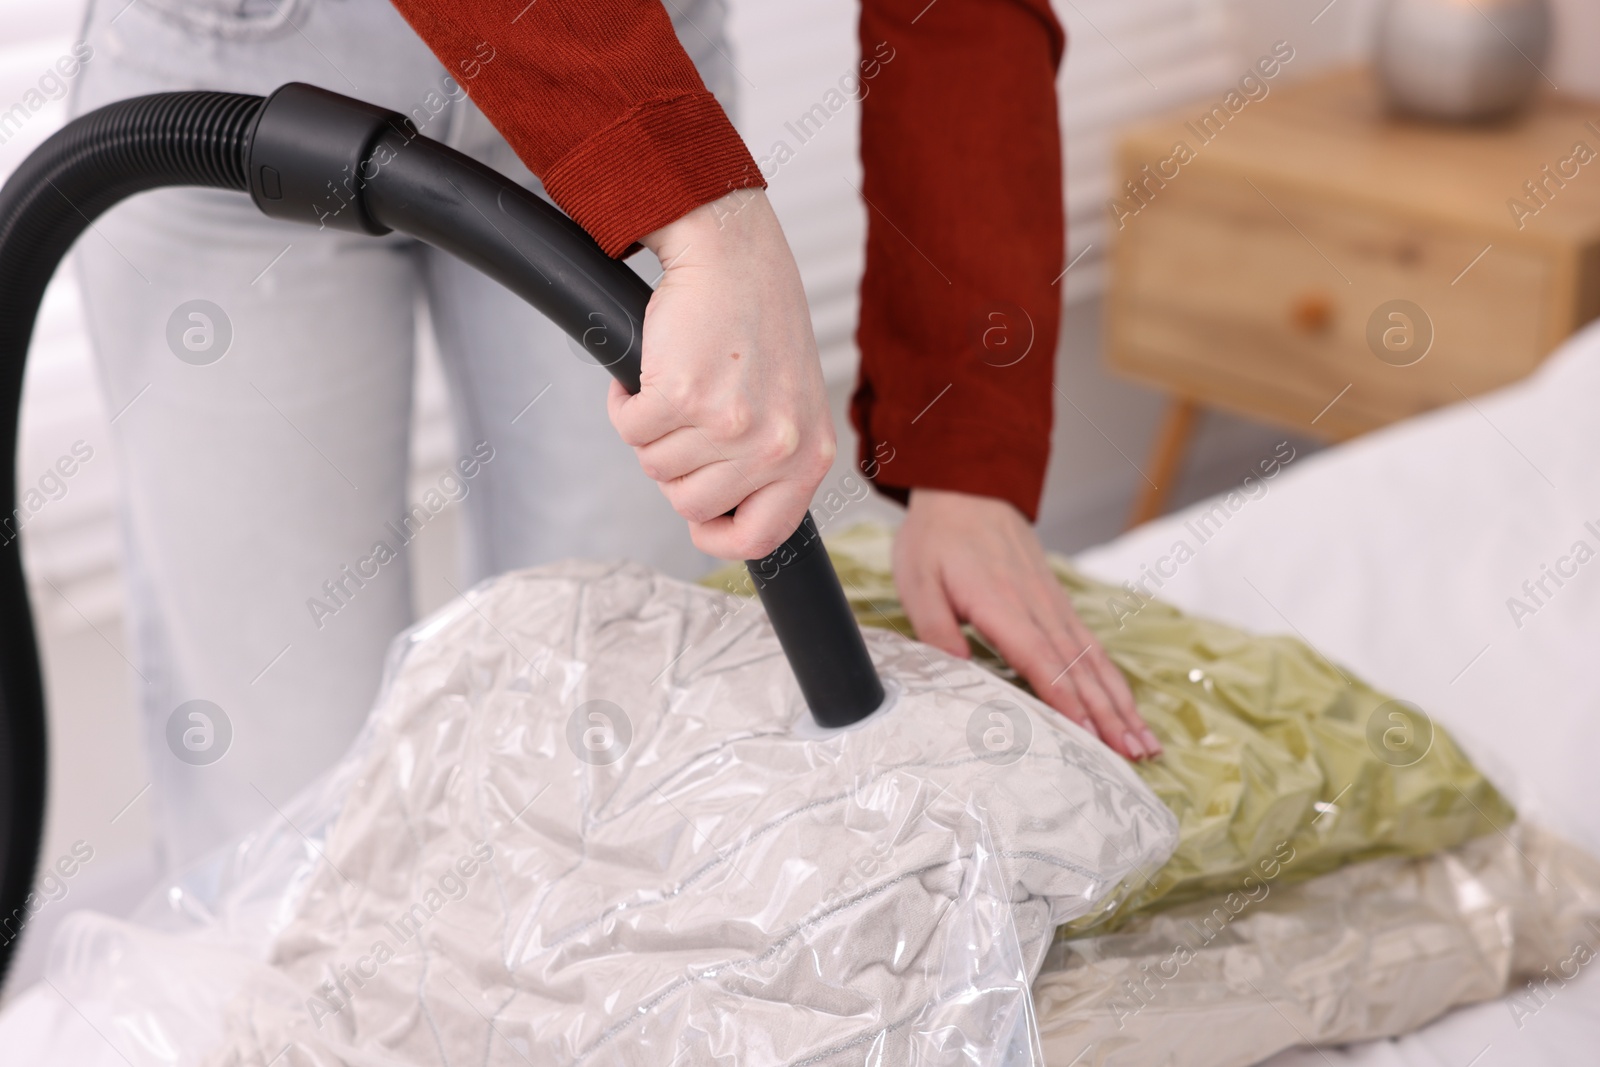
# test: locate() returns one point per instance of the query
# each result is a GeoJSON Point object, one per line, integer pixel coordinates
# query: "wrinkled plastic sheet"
{"type": "Point", "coordinates": [590, 821]}
{"type": "Point", "coordinates": [1278, 764]}
{"type": "Point", "coordinates": [1375, 949]}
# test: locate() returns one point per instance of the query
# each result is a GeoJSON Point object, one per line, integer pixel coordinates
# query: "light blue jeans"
{"type": "Point", "coordinates": [263, 436]}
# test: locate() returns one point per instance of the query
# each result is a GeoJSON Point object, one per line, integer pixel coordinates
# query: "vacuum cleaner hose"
{"type": "Point", "coordinates": [315, 157]}
{"type": "Point", "coordinates": [57, 192]}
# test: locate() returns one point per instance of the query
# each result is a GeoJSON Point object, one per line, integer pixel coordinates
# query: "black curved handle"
{"type": "Point", "coordinates": [320, 158]}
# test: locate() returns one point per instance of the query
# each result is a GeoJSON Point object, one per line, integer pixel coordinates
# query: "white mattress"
{"type": "Point", "coordinates": [1396, 555]}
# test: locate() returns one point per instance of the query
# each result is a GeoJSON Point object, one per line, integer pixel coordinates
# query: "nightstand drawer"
{"type": "Point", "coordinates": [1257, 296]}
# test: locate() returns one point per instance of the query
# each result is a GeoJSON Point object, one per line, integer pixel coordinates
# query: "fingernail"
{"type": "Point", "coordinates": [1150, 741]}
{"type": "Point", "coordinates": [1135, 749]}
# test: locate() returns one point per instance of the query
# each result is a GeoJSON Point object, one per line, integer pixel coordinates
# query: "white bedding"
{"type": "Point", "coordinates": [1396, 555]}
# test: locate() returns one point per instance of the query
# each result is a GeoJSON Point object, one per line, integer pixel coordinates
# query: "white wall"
{"type": "Point", "coordinates": [1343, 32]}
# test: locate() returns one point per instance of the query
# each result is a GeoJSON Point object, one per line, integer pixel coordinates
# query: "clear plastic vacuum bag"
{"type": "Point", "coordinates": [1372, 950]}
{"type": "Point", "coordinates": [591, 821]}
{"type": "Point", "coordinates": [1270, 751]}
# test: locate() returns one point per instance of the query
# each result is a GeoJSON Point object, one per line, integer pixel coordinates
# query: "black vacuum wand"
{"type": "Point", "coordinates": [315, 157]}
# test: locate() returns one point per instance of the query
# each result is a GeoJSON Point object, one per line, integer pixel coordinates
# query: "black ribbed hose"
{"type": "Point", "coordinates": [57, 192]}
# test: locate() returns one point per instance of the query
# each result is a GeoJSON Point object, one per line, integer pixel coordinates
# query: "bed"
{"type": "Point", "coordinates": [1415, 555]}
{"type": "Point", "coordinates": [1453, 560]}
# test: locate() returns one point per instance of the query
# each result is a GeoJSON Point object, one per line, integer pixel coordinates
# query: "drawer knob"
{"type": "Point", "coordinates": [1312, 313]}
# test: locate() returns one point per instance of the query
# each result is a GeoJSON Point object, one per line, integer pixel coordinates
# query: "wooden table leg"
{"type": "Point", "coordinates": [1167, 454]}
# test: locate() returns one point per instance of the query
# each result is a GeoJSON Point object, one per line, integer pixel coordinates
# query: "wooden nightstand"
{"type": "Point", "coordinates": [1319, 265]}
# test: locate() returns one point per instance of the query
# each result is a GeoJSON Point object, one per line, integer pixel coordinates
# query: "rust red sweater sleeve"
{"type": "Point", "coordinates": [599, 99]}
{"type": "Point", "coordinates": [961, 162]}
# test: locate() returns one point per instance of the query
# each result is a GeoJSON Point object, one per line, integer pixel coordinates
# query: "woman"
{"type": "Point", "coordinates": [264, 442]}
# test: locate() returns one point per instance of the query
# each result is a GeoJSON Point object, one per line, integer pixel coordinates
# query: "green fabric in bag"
{"type": "Point", "coordinates": [1278, 764]}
